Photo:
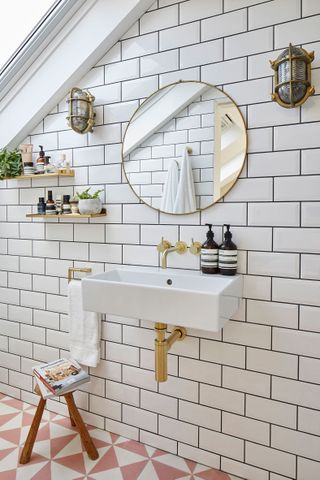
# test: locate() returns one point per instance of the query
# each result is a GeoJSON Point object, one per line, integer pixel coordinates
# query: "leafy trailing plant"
{"type": "Point", "coordinates": [85, 195]}
{"type": "Point", "coordinates": [10, 163]}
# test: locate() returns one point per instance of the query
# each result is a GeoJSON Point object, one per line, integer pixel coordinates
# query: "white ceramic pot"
{"type": "Point", "coordinates": [90, 206]}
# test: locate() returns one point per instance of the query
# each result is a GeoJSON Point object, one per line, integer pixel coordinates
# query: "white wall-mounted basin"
{"type": "Point", "coordinates": [185, 298]}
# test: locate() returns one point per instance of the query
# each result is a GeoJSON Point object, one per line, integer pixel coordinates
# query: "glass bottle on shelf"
{"type": "Point", "coordinates": [40, 162]}
{"type": "Point", "coordinates": [50, 205]}
{"type": "Point", "coordinates": [66, 207]}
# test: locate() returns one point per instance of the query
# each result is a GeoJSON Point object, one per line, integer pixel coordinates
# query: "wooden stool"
{"type": "Point", "coordinates": [75, 419]}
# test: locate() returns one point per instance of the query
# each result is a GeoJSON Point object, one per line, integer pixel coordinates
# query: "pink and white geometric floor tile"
{"type": "Point", "coordinates": [59, 455]}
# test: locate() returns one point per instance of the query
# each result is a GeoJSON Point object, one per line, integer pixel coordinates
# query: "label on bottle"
{"type": "Point", "coordinates": [209, 257]}
{"type": "Point", "coordinates": [40, 167]}
{"type": "Point", "coordinates": [228, 259]}
{"type": "Point", "coordinates": [66, 208]}
{"type": "Point", "coordinates": [51, 209]}
{"type": "Point", "coordinates": [41, 208]}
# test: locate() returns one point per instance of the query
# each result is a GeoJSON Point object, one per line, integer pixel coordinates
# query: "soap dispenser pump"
{"type": "Point", "coordinates": [209, 253]}
{"type": "Point", "coordinates": [228, 254]}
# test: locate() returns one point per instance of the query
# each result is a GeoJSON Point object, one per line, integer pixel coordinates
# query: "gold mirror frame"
{"type": "Point", "coordinates": [240, 169]}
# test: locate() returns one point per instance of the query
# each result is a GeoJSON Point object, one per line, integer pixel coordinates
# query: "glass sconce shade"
{"type": "Point", "coordinates": [81, 115]}
{"type": "Point", "coordinates": [292, 77]}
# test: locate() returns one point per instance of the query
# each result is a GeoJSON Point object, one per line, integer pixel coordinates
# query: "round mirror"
{"type": "Point", "coordinates": [184, 147]}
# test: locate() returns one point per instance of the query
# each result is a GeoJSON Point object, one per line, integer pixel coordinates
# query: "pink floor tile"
{"type": "Point", "coordinates": [133, 471]}
{"type": "Point", "coordinates": [59, 455]}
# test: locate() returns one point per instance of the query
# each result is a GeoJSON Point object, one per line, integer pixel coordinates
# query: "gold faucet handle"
{"type": "Point", "coordinates": [181, 247]}
{"type": "Point", "coordinates": [163, 245]}
{"type": "Point", "coordinates": [195, 247]}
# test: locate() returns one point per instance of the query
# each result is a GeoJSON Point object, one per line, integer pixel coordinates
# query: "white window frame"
{"type": "Point", "coordinates": [37, 40]}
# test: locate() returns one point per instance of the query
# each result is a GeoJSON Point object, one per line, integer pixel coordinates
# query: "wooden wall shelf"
{"type": "Point", "coordinates": [69, 215]}
{"type": "Point", "coordinates": [42, 175]}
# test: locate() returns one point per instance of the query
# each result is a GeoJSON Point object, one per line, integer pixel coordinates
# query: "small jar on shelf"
{"type": "Point", "coordinates": [66, 207]}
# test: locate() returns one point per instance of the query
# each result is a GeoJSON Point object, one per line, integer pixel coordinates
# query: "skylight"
{"type": "Point", "coordinates": [20, 18]}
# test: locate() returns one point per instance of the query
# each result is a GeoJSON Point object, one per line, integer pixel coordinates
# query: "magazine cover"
{"type": "Point", "coordinates": [45, 392]}
{"type": "Point", "coordinates": [61, 375]}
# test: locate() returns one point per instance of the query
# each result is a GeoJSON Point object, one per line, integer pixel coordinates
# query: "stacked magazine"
{"type": "Point", "coordinates": [59, 377]}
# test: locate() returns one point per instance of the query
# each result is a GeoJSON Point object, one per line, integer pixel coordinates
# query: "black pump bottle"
{"type": "Point", "coordinates": [209, 253]}
{"type": "Point", "coordinates": [228, 254]}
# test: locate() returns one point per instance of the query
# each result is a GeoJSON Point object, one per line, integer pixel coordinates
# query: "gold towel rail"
{"type": "Point", "coordinates": [72, 270]}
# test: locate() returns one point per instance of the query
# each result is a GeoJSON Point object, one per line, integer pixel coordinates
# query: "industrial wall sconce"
{"type": "Point", "coordinates": [292, 77]}
{"type": "Point", "coordinates": [81, 114]}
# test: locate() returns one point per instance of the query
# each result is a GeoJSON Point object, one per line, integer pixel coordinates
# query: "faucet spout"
{"type": "Point", "coordinates": [165, 255]}
{"type": "Point", "coordinates": [180, 247]}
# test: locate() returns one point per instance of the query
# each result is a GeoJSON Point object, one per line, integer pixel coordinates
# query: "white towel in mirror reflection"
{"type": "Point", "coordinates": [179, 193]}
{"type": "Point", "coordinates": [185, 200]}
{"type": "Point", "coordinates": [170, 188]}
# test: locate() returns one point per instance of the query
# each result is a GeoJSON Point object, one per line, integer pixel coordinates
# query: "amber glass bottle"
{"type": "Point", "coordinates": [228, 254]}
{"type": "Point", "coordinates": [40, 163]}
{"type": "Point", "coordinates": [50, 205]}
{"type": "Point", "coordinates": [209, 253]}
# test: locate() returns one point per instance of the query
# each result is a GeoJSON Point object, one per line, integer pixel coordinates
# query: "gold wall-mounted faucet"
{"type": "Point", "coordinates": [195, 247]}
{"type": "Point", "coordinates": [165, 248]}
{"type": "Point", "coordinates": [163, 245]}
{"type": "Point", "coordinates": [72, 270]}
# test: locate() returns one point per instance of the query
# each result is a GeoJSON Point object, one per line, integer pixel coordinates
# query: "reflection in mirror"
{"type": "Point", "coordinates": [184, 148]}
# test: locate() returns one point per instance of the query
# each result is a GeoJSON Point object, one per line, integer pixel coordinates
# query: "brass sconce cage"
{"type": "Point", "coordinates": [292, 77]}
{"type": "Point", "coordinates": [81, 114]}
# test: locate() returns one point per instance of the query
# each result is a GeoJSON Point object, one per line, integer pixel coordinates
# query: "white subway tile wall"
{"type": "Point", "coordinates": [247, 400]}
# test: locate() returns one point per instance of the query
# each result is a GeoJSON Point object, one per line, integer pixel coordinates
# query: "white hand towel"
{"type": "Point", "coordinates": [85, 328]}
{"type": "Point", "coordinates": [170, 188]}
{"type": "Point", "coordinates": [185, 199]}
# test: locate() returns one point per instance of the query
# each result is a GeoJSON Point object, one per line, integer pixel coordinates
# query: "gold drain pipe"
{"type": "Point", "coordinates": [162, 345]}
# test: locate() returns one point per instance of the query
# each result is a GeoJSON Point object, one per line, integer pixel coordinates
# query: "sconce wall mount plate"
{"type": "Point", "coordinates": [81, 114]}
{"type": "Point", "coordinates": [292, 77]}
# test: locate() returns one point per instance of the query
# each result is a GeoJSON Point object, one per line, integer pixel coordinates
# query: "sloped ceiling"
{"type": "Point", "coordinates": [79, 45]}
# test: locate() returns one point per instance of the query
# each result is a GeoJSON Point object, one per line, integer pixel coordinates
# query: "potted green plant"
{"type": "Point", "coordinates": [89, 203]}
{"type": "Point", "coordinates": [10, 163]}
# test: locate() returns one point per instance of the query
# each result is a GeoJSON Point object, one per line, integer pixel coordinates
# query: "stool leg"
{"type": "Point", "coordinates": [28, 446]}
{"type": "Point", "coordinates": [73, 423]}
{"type": "Point", "coordinates": [84, 434]}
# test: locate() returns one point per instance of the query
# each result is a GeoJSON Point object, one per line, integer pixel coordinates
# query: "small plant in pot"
{"type": "Point", "coordinates": [89, 203]}
{"type": "Point", "coordinates": [10, 164]}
